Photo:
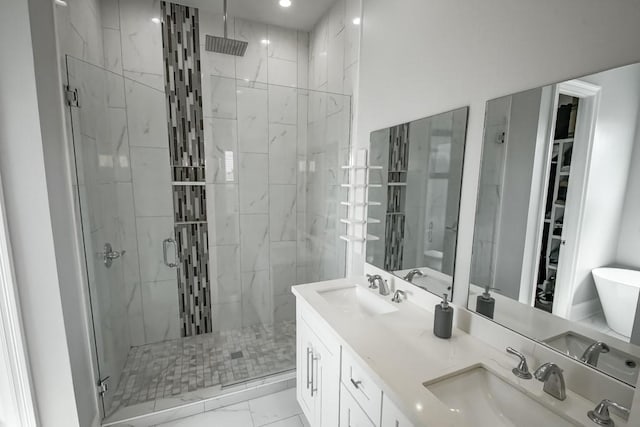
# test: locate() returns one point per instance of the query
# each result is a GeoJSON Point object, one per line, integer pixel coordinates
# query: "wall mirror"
{"type": "Point", "coordinates": [556, 248]}
{"type": "Point", "coordinates": [414, 199]}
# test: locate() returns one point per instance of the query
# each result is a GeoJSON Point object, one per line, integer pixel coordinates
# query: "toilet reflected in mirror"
{"type": "Point", "coordinates": [556, 240]}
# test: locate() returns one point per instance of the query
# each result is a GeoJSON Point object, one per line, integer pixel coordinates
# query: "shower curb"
{"type": "Point", "coordinates": [225, 396]}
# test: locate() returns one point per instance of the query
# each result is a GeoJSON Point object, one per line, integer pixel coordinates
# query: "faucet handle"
{"type": "Point", "coordinates": [600, 415]}
{"type": "Point", "coordinates": [522, 371]}
{"type": "Point", "coordinates": [372, 281]}
{"type": "Point", "coordinates": [396, 295]}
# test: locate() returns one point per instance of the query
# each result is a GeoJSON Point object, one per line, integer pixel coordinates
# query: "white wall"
{"type": "Point", "coordinates": [425, 57]}
{"type": "Point", "coordinates": [22, 165]}
{"type": "Point", "coordinates": [615, 134]}
{"type": "Point", "coordinates": [628, 251]}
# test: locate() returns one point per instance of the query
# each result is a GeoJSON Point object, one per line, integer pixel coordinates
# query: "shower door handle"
{"type": "Point", "coordinates": [165, 248]}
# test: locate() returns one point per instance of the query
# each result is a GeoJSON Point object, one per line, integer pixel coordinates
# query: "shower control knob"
{"type": "Point", "coordinates": [108, 255]}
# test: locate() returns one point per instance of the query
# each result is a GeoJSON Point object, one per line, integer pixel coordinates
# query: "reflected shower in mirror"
{"type": "Point", "coordinates": [556, 240]}
{"type": "Point", "coordinates": [414, 199]}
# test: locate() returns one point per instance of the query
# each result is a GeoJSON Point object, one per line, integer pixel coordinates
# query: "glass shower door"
{"type": "Point", "coordinates": [97, 132]}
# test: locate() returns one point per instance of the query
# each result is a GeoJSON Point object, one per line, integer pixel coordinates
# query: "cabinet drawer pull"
{"type": "Point", "coordinates": [356, 384]}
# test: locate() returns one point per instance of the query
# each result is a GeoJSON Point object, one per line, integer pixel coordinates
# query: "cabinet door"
{"type": "Point", "coordinates": [326, 380]}
{"type": "Point", "coordinates": [351, 414]}
{"type": "Point", "coordinates": [391, 415]}
{"type": "Point", "coordinates": [304, 369]}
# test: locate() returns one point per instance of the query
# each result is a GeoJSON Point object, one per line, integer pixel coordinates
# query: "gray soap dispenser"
{"type": "Point", "coordinates": [443, 319]}
{"type": "Point", "coordinates": [485, 303]}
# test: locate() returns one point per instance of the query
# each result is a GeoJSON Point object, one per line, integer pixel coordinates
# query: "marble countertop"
{"type": "Point", "coordinates": [402, 353]}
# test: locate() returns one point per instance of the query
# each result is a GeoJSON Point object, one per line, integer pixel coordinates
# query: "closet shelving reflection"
{"type": "Point", "coordinates": [357, 179]}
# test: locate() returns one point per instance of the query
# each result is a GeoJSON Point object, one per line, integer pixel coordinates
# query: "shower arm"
{"type": "Point", "coordinates": [224, 17]}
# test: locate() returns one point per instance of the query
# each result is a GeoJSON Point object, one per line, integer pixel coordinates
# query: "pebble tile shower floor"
{"type": "Point", "coordinates": [169, 368]}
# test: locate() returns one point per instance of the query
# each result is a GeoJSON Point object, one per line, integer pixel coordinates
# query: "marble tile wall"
{"type": "Point", "coordinates": [255, 134]}
{"type": "Point", "coordinates": [133, 49]}
{"type": "Point", "coordinates": [333, 66]}
{"type": "Point", "coordinates": [79, 31]}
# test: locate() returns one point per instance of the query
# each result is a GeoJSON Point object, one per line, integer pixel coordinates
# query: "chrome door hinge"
{"type": "Point", "coordinates": [103, 386]}
{"type": "Point", "coordinates": [71, 96]}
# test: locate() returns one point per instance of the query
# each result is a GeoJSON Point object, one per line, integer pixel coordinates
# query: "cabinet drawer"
{"type": "Point", "coordinates": [361, 386]}
{"type": "Point", "coordinates": [351, 414]}
{"type": "Point", "coordinates": [391, 415]}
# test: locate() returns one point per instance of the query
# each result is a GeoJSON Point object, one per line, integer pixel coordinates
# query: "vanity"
{"type": "Point", "coordinates": [542, 336]}
{"type": "Point", "coordinates": [363, 360]}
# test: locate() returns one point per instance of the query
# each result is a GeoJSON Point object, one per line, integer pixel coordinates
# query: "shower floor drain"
{"type": "Point", "coordinates": [236, 355]}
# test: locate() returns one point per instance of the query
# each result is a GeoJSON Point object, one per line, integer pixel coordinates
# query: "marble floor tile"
{"type": "Point", "coordinates": [237, 415]}
{"type": "Point", "coordinates": [275, 410]}
{"type": "Point", "coordinates": [294, 421]}
{"type": "Point", "coordinates": [278, 406]}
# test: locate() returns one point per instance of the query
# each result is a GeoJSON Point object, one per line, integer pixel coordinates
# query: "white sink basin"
{"type": "Point", "coordinates": [357, 300]}
{"type": "Point", "coordinates": [616, 363]}
{"type": "Point", "coordinates": [484, 399]}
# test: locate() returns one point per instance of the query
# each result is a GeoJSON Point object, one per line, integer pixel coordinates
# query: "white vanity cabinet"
{"type": "Point", "coordinates": [351, 414]}
{"type": "Point", "coordinates": [318, 373]}
{"type": "Point", "coordinates": [391, 415]}
{"type": "Point", "coordinates": [333, 388]}
{"type": "Point", "coordinates": [361, 387]}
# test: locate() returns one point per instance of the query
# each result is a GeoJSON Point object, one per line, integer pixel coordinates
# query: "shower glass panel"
{"type": "Point", "coordinates": [104, 193]}
{"type": "Point", "coordinates": [270, 205]}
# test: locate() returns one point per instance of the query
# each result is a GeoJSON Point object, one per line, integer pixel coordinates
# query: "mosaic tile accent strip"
{"type": "Point", "coordinates": [171, 368]}
{"type": "Point", "coordinates": [193, 279]}
{"type": "Point", "coordinates": [181, 49]}
{"type": "Point", "coordinates": [190, 203]}
{"type": "Point", "coordinates": [396, 194]}
{"type": "Point", "coordinates": [191, 173]}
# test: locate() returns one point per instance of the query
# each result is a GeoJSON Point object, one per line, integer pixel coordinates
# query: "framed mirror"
{"type": "Point", "coordinates": [556, 248]}
{"type": "Point", "coordinates": [414, 199]}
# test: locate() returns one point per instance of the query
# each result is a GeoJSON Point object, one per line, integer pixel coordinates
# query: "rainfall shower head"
{"type": "Point", "coordinates": [224, 44]}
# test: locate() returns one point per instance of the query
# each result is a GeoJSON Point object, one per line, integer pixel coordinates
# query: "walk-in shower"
{"type": "Point", "coordinates": [203, 199]}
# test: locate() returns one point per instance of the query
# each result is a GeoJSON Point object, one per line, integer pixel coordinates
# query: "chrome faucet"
{"type": "Point", "coordinates": [383, 287]}
{"type": "Point", "coordinates": [600, 415]}
{"type": "Point", "coordinates": [551, 375]}
{"type": "Point", "coordinates": [410, 275]}
{"type": "Point", "coordinates": [592, 353]}
{"type": "Point", "coordinates": [522, 371]}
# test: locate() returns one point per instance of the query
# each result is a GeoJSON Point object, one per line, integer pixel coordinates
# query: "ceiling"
{"type": "Point", "coordinates": [301, 15]}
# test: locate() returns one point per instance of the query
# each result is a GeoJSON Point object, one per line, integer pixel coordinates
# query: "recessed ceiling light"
{"type": "Point", "coordinates": [285, 3]}
{"type": "Point", "coordinates": [265, 41]}
{"type": "Point", "coordinates": [356, 20]}
{"type": "Point", "coordinates": [156, 20]}
{"type": "Point", "coordinates": [61, 2]}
